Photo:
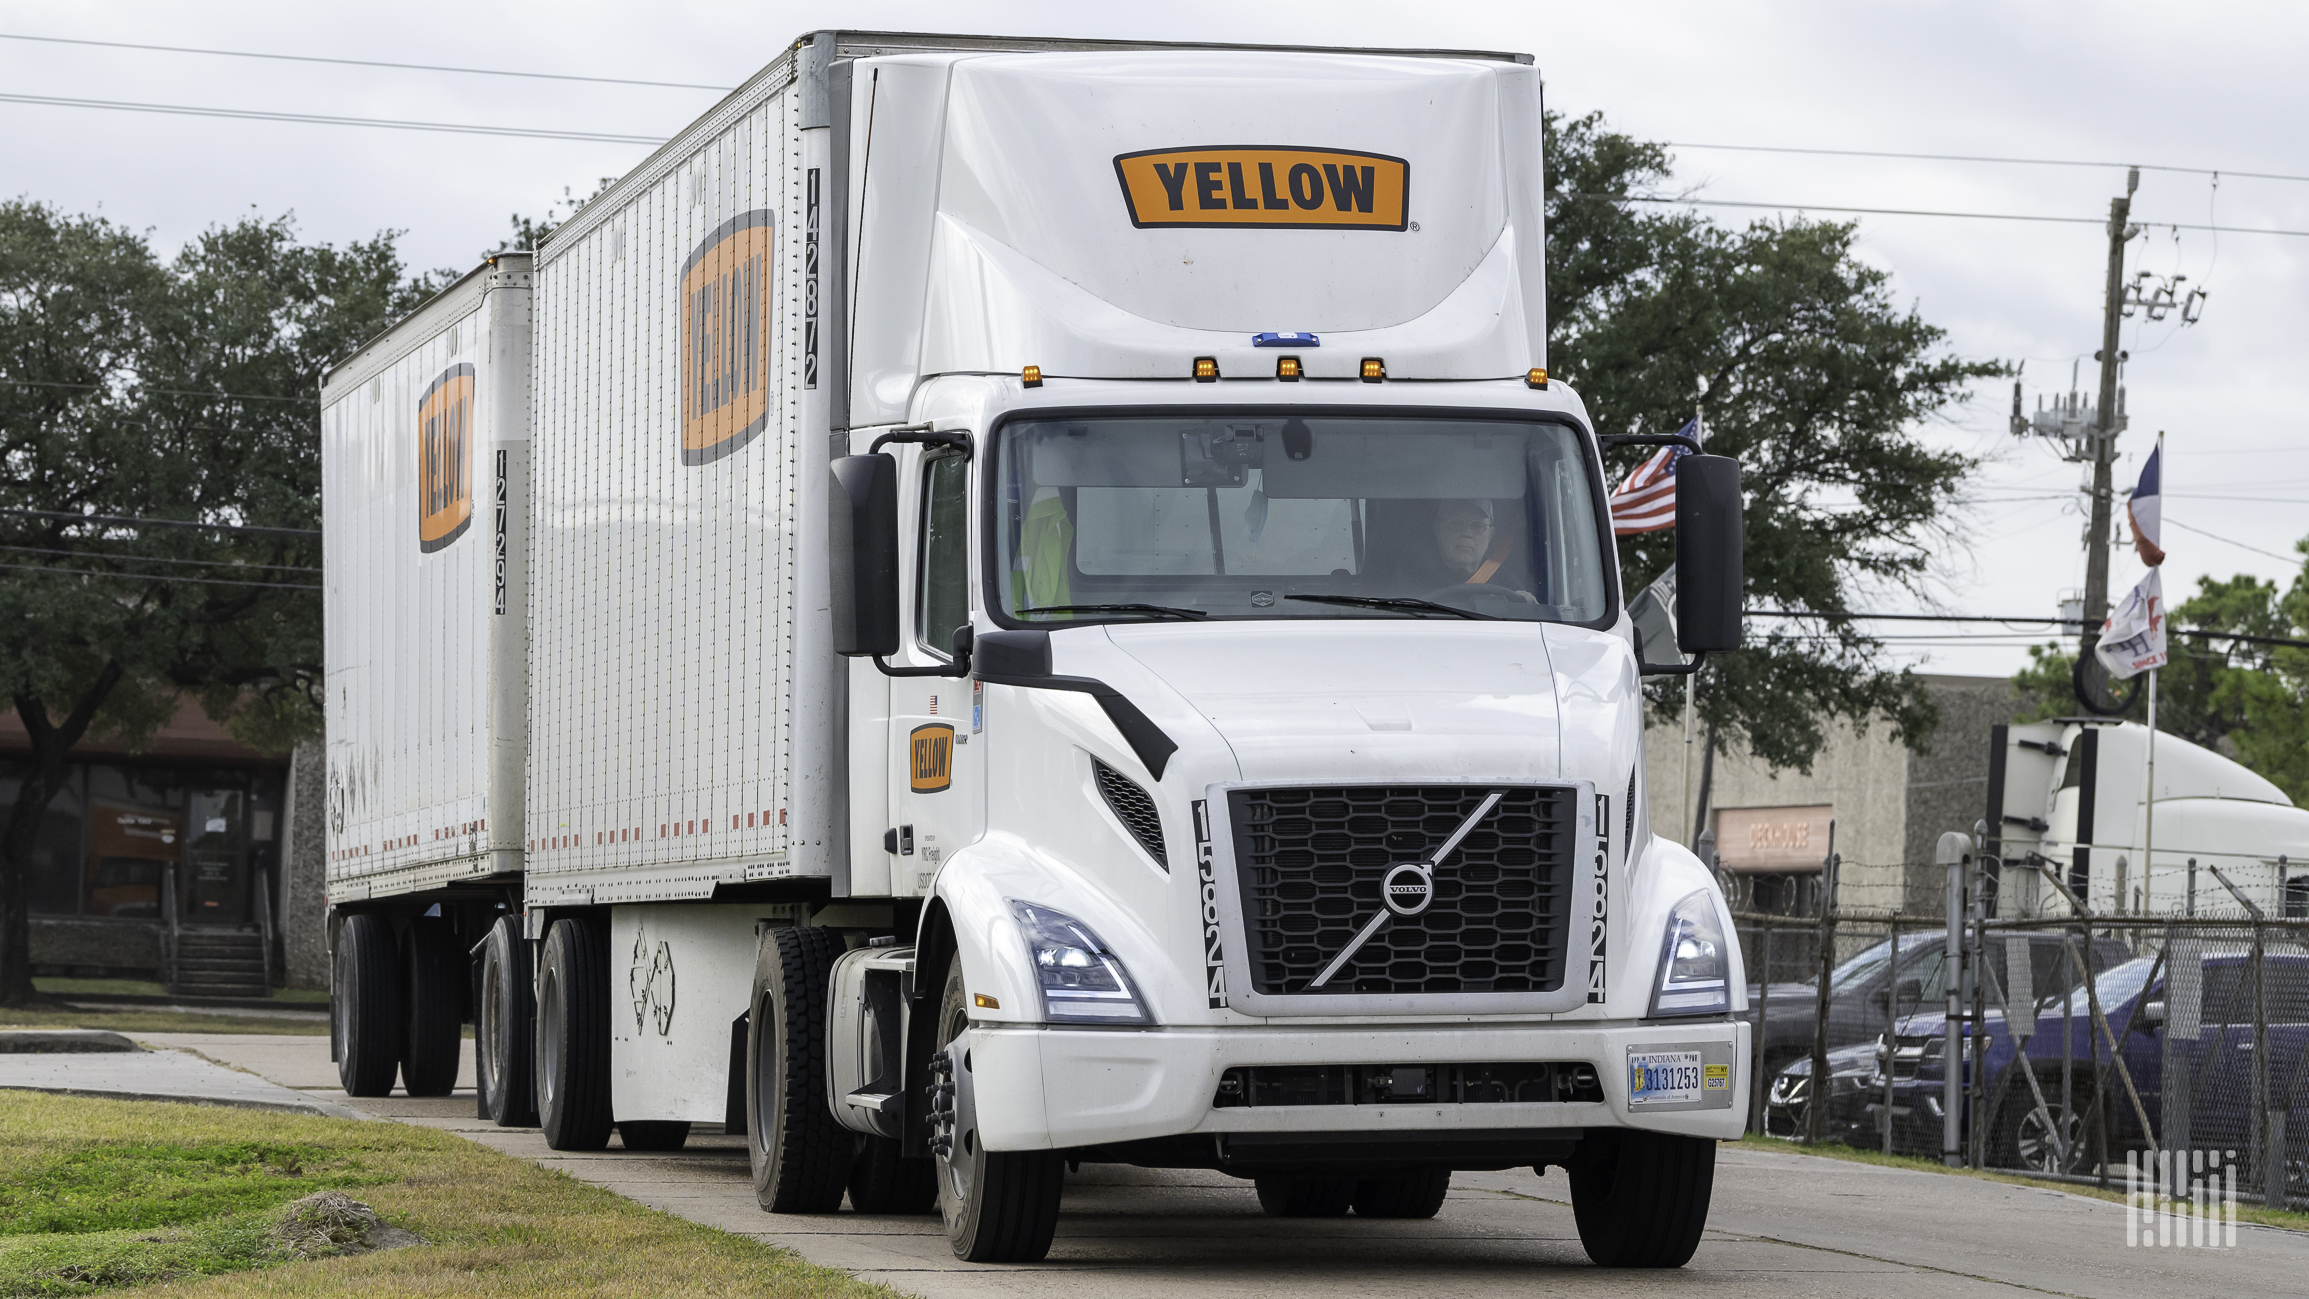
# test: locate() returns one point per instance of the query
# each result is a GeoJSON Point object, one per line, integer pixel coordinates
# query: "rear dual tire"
{"type": "Point", "coordinates": [505, 1027]}
{"type": "Point", "coordinates": [365, 1005]}
{"type": "Point", "coordinates": [572, 1052]}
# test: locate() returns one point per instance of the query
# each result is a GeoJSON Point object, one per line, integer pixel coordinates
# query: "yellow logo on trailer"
{"type": "Point", "coordinates": [445, 459]}
{"type": "Point", "coordinates": [1275, 188]}
{"type": "Point", "coordinates": [725, 339]}
{"type": "Point", "coordinates": [930, 753]}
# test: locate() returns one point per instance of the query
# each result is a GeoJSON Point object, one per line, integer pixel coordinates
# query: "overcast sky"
{"type": "Point", "coordinates": [2207, 86]}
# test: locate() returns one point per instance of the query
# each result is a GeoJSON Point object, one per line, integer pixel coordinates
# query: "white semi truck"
{"type": "Point", "coordinates": [998, 603]}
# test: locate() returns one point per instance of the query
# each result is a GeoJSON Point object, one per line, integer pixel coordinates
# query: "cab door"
{"type": "Point", "coordinates": [938, 771]}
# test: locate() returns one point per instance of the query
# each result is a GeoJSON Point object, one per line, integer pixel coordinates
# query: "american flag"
{"type": "Point", "coordinates": [1646, 502]}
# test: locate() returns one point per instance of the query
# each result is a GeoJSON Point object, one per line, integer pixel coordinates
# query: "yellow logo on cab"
{"type": "Point", "coordinates": [930, 755]}
{"type": "Point", "coordinates": [1261, 186]}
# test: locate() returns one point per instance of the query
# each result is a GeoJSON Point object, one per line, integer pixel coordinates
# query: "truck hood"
{"type": "Point", "coordinates": [1369, 699]}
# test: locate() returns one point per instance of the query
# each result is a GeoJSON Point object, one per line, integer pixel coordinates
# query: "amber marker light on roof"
{"type": "Point", "coordinates": [1538, 376]}
{"type": "Point", "coordinates": [1374, 369]}
{"type": "Point", "coordinates": [1031, 376]}
{"type": "Point", "coordinates": [1206, 369]}
{"type": "Point", "coordinates": [1287, 368]}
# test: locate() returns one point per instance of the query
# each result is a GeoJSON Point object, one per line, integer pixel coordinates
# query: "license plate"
{"type": "Point", "coordinates": [1663, 1077]}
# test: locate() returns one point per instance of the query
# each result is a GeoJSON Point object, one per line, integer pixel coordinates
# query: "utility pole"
{"type": "Point", "coordinates": [2104, 442]}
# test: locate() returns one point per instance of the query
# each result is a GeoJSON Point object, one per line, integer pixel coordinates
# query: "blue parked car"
{"type": "Point", "coordinates": [2220, 1059]}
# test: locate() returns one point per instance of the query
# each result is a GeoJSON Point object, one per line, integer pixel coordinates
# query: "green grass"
{"type": "Point", "coordinates": [100, 987]}
{"type": "Point", "coordinates": [103, 1196]}
{"type": "Point", "coordinates": [156, 1019]}
{"type": "Point", "coordinates": [2292, 1220]}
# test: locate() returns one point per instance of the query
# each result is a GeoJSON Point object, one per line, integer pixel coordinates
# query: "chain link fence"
{"type": "Point", "coordinates": [2082, 1038]}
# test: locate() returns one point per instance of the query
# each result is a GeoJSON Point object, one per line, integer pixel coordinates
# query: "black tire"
{"type": "Point", "coordinates": [435, 977]}
{"type": "Point", "coordinates": [2021, 1140]}
{"type": "Point", "coordinates": [1306, 1197]}
{"type": "Point", "coordinates": [1416, 1194]}
{"type": "Point", "coordinates": [504, 1028]}
{"type": "Point", "coordinates": [572, 1053]}
{"type": "Point", "coordinates": [998, 1206]}
{"type": "Point", "coordinates": [881, 1182]}
{"type": "Point", "coordinates": [800, 1154]}
{"type": "Point", "coordinates": [1641, 1198]}
{"type": "Point", "coordinates": [365, 1006]}
{"type": "Point", "coordinates": [654, 1134]}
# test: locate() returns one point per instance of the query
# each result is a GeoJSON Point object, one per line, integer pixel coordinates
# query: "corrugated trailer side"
{"type": "Point", "coordinates": [681, 703]}
{"type": "Point", "coordinates": [425, 453]}
{"type": "Point", "coordinates": [424, 446]}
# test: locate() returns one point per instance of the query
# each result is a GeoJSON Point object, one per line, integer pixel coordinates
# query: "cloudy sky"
{"type": "Point", "coordinates": [2205, 87]}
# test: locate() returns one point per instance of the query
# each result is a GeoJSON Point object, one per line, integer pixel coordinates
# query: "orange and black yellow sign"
{"type": "Point", "coordinates": [930, 754]}
{"type": "Point", "coordinates": [445, 459]}
{"type": "Point", "coordinates": [725, 340]}
{"type": "Point", "coordinates": [1258, 185]}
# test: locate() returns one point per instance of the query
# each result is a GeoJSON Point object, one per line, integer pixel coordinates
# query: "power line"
{"type": "Point", "coordinates": [159, 559]}
{"type": "Point", "coordinates": [1968, 157]}
{"type": "Point", "coordinates": [156, 577]}
{"type": "Point", "coordinates": [319, 119]}
{"type": "Point", "coordinates": [366, 63]}
{"type": "Point", "coordinates": [1966, 617]}
{"type": "Point", "coordinates": [2238, 544]}
{"type": "Point", "coordinates": [1927, 212]}
{"type": "Point", "coordinates": [127, 521]}
{"type": "Point", "coordinates": [169, 392]}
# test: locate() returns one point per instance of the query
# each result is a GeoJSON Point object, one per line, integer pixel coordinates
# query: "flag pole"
{"type": "Point", "coordinates": [2149, 804]}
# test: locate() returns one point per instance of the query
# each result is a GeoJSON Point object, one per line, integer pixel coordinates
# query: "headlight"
{"type": "Point", "coordinates": [1696, 967]}
{"type": "Point", "coordinates": [1082, 981]}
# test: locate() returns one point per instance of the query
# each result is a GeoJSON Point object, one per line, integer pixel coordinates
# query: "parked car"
{"type": "Point", "coordinates": [1858, 990]}
{"type": "Point", "coordinates": [2056, 1138]}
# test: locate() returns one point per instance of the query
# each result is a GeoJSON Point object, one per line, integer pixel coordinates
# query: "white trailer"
{"type": "Point", "coordinates": [425, 450]}
{"type": "Point", "coordinates": [1068, 621]}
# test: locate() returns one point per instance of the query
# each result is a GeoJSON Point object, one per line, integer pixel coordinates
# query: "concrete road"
{"type": "Point", "coordinates": [1788, 1226]}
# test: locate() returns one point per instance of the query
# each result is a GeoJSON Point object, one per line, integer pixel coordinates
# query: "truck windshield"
{"type": "Point", "coordinates": [1314, 516]}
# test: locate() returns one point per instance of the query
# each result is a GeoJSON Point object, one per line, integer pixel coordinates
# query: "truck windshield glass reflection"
{"type": "Point", "coordinates": [1295, 517]}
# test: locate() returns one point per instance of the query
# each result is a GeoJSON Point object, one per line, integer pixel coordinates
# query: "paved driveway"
{"type": "Point", "coordinates": [1784, 1225]}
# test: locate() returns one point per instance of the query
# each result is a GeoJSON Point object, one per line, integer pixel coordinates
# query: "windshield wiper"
{"type": "Point", "coordinates": [1406, 603]}
{"type": "Point", "coordinates": [1158, 610]}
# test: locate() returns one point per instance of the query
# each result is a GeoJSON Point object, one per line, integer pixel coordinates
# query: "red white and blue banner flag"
{"type": "Point", "coordinates": [1646, 502]}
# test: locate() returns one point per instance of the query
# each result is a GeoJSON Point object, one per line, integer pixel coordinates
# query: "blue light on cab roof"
{"type": "Point", "coordinates": [1285, 340]}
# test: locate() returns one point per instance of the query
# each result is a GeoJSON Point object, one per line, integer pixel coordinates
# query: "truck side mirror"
{"type": "Point", "coordinates": [1710, 577]}
{"type": "Point", "coordinates": [862, 559]}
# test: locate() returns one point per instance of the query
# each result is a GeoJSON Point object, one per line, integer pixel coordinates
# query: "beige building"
{"type": "Point", "coordinates": [1887, 805]}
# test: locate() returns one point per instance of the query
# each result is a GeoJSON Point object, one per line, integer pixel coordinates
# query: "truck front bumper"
{"type": "Point", "coordinates": [1053, 1088]}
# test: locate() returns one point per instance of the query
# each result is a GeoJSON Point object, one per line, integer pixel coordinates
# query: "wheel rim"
{"type": "Point", "coordinates": [549, 1035]}
{"type": "Point", "coordinates": [488, 1047]}
{"type": "Point", "coordinates": [2035, 1143]}
{"type": "Point", "coordinates": [953, 1115]}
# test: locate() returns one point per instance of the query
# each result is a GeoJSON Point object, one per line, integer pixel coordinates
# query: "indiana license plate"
{"type": "Point", "coordinates": [1663, 1077]}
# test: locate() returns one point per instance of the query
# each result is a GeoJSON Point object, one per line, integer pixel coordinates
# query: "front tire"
{"type": "Point", "coordinates": [1416, 1194]}
{"type": "Point", "coordinates": [573, 1036]}
{"type": "Point", "coordinates": [800, 1154]}
{"type": "Point", "coordinates": [366, 1006]}
{"type": "Point", "coordinates": [1305, 1197]}
{"type": "Point", "coordinates": [999, 1206]}
{"type": "Point", "coordinates": [504, 1028]}
{"type": "Point", "coordinates": [1641, 1198]}
{"type": "Point", "coordinates": [2022, 1139]}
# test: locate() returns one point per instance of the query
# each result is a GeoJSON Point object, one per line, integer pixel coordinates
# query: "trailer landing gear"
{"type": "Point", "coordinates": [999, 1206]}
{"type": "Point", "coordinates": [1641, 1198]}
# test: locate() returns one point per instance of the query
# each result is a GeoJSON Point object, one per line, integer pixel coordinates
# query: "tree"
{"type": "Point", "coordinates": [2243, 699]}
{"type": "Point", "coordinates": [186, 392]}
{"type": "Point", "coordinates": [1809, 374]}
{"type": "Point", "coordinates": [528, 232]}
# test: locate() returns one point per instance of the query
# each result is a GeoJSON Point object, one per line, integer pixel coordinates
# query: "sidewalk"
{"type": "Point", "coordinates": [165, 1075]}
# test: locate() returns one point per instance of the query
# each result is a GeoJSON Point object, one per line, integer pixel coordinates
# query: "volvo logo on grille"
{"type": "Point", "coordinates": [1408, 889]}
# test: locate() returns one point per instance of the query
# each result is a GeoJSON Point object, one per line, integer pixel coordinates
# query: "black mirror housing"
{"type": "Point", "coordinates": [862, 557]}
{"type": "Point", "coordinates": [1710, 574]}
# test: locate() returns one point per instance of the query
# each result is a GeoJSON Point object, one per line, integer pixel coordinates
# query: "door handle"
{"type": "Point", "coordinates": [905, 841]}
